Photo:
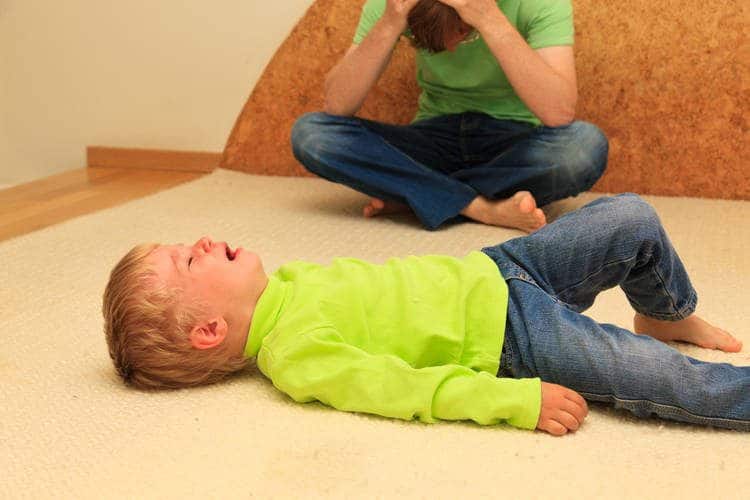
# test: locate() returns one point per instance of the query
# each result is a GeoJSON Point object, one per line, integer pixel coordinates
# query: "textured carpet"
{"type": "Point", "coordinates": [69, 429]}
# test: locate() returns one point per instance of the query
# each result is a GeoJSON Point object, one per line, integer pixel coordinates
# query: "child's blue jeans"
{"type": "Point", "coordinates": [438, 165]}
{"type": "Point", "coordinates": [556, 273]}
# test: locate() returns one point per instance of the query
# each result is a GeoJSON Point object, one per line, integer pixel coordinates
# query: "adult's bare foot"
{"type": "Point", "coordinates": [692, 329]}
{"type": "Point", "coordinates": [517, 212]}
{"type": "Point", "coordinates": [380, 207]}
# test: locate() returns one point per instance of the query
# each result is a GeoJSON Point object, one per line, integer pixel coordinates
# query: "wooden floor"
{"type": "Point", "coordinates": [41, 203]}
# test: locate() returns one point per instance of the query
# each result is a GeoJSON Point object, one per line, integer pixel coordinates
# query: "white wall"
{"type": "Point", "coordinates": [167, 74]}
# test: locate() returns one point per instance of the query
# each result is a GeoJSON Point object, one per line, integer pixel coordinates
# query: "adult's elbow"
{"type": "Point", "coordinates": [559, 117]}
{"type": "Point", "coordinates": [558, 120]}
{"type": "Point", "coordinates": [334, 108]}
{"type": "Point", "coordinates": [333, 105]}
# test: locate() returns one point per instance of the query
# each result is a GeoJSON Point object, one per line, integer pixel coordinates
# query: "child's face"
{"type": "Point", "coordinates": [227, 281]}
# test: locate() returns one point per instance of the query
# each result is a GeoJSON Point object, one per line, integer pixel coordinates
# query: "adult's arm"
{"type": "Point", "coordinates": [349, 82]}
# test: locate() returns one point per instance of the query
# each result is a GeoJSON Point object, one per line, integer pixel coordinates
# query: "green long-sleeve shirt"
{"type": "Point", "coordinates": [418, 337]}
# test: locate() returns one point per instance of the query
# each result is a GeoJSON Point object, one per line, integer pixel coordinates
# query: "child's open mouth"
{"type": "Point", "coordinates": [231, 254]}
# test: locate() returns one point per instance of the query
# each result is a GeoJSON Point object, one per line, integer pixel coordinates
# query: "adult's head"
{"type": "Point", "coordinates": [436, 27]}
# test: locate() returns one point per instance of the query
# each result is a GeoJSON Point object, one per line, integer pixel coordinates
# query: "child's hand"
{"type": "Point", "coordinates": [563, 410]}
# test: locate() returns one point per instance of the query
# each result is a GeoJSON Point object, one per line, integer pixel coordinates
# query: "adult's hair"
{"type": "Point", "coordinates": [429, 22]}
{"type": "Point", "coordinates": [147, 330]}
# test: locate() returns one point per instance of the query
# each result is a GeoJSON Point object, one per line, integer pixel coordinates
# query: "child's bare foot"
{"type": "Point", "coordinates": [518, 212]}
{"type": "Point", "coordinates": [691, 329]}
{"type": "Point", "coordinates": [380, 207]}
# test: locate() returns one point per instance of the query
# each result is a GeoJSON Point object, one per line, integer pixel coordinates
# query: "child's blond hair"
{"type": "Point", "coordinates": [147, 330]}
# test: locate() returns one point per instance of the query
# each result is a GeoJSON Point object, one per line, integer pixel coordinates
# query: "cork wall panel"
{"type": "Point", "coordinates": [667, 81]}
{"type": "Point", "coordinates": [292, 84]}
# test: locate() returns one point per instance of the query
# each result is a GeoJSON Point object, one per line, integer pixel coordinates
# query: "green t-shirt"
{"type": "Point", "coordinates": [470, 78]}
{"type": "Point", "coordinates": [418, 337]}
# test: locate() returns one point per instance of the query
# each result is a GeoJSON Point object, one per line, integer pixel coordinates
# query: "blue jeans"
{"type": "Point", "coordinates": [437, 166]}
{"type": "Point", "coordinates": [554, 275]}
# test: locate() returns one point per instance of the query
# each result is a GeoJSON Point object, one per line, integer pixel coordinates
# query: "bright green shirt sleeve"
{"type": "Point", "coordinates": [320, 366]}
{"type": "Point", "coordinates": [371, 13]}
{"type": "Point", "coordinates": [546, 23]}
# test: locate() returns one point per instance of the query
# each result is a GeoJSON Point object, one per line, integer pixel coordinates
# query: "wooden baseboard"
{"type": "Point", "coordinates": [152, 159]}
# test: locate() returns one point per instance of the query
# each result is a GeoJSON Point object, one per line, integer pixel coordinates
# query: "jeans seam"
{"type": "Point", "coordinates": [530, 281]}
{"type": "Point", "coordinates": [678, 312]}
{"type": "Point", "coordinates": [674, 411]}
{"type": "Point", "coordinates": [682, 313]}
{"type": "Point", "coordinates": [580, 282]}
{"type": "Point", "coordinates": [592, 274]}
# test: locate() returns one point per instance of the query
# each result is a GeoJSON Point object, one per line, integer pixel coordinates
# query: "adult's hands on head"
{"type": "Point", "coordinates": [476, 13]}
{"type": "Point", "coordinates": [397, 12]}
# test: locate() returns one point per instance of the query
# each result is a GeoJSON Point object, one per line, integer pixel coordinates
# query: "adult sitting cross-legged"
{"type": "Point", "coordinates": [495, 135]}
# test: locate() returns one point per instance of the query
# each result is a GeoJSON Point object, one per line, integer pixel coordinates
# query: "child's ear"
{"type": "Point", "coordinates": [209, 333]}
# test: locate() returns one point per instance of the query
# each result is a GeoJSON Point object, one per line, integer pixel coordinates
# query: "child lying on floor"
{"type": "Point", "coordinates": [437, 337]}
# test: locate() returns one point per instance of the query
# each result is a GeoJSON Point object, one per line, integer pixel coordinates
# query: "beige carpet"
{"type": "Point", "coordinates": [69, 429]}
